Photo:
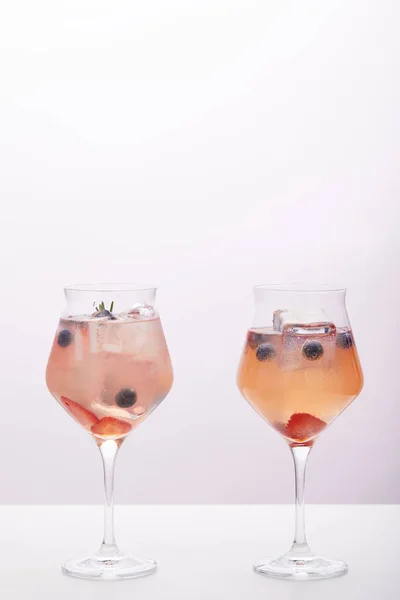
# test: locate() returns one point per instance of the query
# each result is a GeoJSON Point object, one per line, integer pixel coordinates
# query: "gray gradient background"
{"type": "Point", "coordinates": [207, 147]}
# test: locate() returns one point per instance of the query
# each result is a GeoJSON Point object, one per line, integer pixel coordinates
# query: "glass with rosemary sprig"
{"type": "Point", "coordinates": [109, 367]}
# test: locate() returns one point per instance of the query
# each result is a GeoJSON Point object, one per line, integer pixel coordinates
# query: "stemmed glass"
{"type": "Point", "coordinates": [109, 367]}
{"type": "Point", "coordinates": [299, 370]}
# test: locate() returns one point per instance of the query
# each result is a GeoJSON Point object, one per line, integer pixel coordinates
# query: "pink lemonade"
{"type": "Point", "coordinates": [109, 371]}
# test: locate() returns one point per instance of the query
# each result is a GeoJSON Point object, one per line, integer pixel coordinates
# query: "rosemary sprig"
{"type": "Point", "coordinates": [102, 306]}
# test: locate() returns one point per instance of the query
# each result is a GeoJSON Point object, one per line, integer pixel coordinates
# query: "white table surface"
{"type": "Point", "coordinates": [204, 552]}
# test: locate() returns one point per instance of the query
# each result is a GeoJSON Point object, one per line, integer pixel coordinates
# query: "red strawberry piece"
{"type": "Point", "coordinates": [111, 427]}
{"type": "Point", "coordinates": [303, 426]}
{"type": "Point", "coordinates": [82, 415]}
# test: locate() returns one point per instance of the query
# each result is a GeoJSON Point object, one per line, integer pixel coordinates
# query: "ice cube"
{"type": "Point", "coordinates": [277, 319]}
{"type": "Point", "coordinates": [264, 336]}
{"type": "Point", "coordinates": [298, 319]}
{"type": "Point", "coordinates": [125, 336]}
{"type": "Point", "coordinates": [142, 311]}
{"type": "Point", "coordinates": [308, 346]}
{"type": "Point", "coordinates": [255, 338]}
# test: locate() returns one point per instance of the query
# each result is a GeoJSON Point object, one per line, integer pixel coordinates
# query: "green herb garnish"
{"type": "Point", "coordinates": [102, 306]}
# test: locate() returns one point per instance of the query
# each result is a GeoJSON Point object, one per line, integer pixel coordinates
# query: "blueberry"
{"type": "Point", "coordinates": [101, 314]}
{"type": "Point", "coordinates": [126, 398]}
{"type": "Point", "coordinates": [64, 338]}
{"type": "Point", "coordinates": [344, 340]}
{"type": "Point", "coordinates": [265, 352]}
{"type": "Point", "coordinates": [313, 350]}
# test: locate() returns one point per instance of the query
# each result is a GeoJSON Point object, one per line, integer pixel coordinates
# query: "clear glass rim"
{"type": "Point", "coordinates": [299, 287]}
{"type": "Point", "coordinates": [109, 287]}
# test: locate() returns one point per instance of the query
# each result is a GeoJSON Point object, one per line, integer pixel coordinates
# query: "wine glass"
{"type": "Point", "coordinates": [299, 370]}
{"type": "Point", "coordinates": [109, 368]}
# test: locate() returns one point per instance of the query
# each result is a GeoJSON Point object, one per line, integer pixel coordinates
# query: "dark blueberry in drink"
{"type": "Point", "coordinates": [64, 338]}
{"type": "Point", "coordinates": [344, 340]}
{"type": "Point", "coordinates": [101, 314]}
{"type": "Point", "coordinates": [312, 350]}
{"type": "Point", "coordinates": [126, 398]}
{"type": "Point", "coordinates": [265, 352]}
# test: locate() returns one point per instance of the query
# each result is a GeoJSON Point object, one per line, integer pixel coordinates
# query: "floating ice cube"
{"type": "Point", "coordinates": [142, 311]}
{"type": "Point", "coordinates": [257, 337]}
{"type": "Point", "coordinates": [297, 319]}
{"type": "Point", "coordinates": [264, 337]}
{"type": "Point", "coordinates": [128, 336]}
{"type": "Point", "coordinates": [308, 339]}
{"type": "Point", "coordinates": [308, 347]}
{"type": "Point", "coordinates": [278, 320]}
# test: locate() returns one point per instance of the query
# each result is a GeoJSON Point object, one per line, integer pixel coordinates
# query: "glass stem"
{"type": "Point", "coordinates": [109, 450]}
{"type": "Point", "coordinates": [300, 455]}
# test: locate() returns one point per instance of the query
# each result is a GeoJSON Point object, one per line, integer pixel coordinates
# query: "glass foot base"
{"type": "Point", "coordinates": [109, 568]}
{"type": "Point", "coordinates": [301, 569]}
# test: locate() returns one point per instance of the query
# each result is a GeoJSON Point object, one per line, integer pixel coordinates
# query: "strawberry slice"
{"type": "Point", "coordinates": [303, 426]}
{"type": "Point", "coordinates": [82, 415]}
{"type": "Point", "coordinates": [111, 427]}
